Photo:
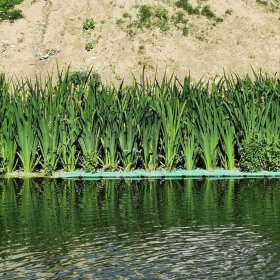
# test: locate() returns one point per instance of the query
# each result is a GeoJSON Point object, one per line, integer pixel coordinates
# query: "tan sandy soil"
{"type": "Point", "coordinates": [52, 32]}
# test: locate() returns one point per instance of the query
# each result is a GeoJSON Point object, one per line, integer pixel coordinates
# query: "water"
{"type": "Point", "coordinates": [151, 229]}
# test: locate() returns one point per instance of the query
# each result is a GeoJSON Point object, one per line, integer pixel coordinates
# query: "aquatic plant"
{"type": "Point", "coordinates": [272, 156]}
{"type": "Point", "coordinates": [26, 132]}
{"type": "Point", "coordinates": [150, 134]}
{"type": "Point", "coordinates": [252, 153]}
{"type": "Point", "coordinates": [90, 139]}
{"type": "Point", "coordinates": [189, 145]}
{"type": "Point", "coordinates": [127, 135]}
{"type": "Point", "coordinates": [48, 113]}
{"type": "Point", "coordinates": [68, 123]}
{"type": "Point", "coordinates": [8, 144]}
{"type": "Point", "coordinates": [207, 131]}
{"type": "Point", "coordinates": [69, 132]}
{"type": "Point", "coordinates": [227, 139]}
{"type": "Point", "coordinates": [109, 143]}
{"type": "Point", "coordinates": [170, 113]}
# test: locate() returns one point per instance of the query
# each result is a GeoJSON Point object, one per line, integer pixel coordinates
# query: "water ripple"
{"type": "Point", "coordinates": [117, 238]}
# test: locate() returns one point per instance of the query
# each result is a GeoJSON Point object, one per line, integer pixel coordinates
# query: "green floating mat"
{"type": "Point", "coordinates": [141, 174]}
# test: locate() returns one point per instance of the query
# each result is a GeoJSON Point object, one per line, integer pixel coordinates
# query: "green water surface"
{"type": "Point", "coordinates": [146, 229]}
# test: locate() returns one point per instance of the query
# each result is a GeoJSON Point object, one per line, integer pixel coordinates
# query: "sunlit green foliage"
{"type": "Point", "coordinates": [8, 10]}
{"type": "Point", "coordinates": [65, 124]}
{"type": "Point", "coordinates": [197, 10]}
{"type": "Point", "coordinates": [152, 16]}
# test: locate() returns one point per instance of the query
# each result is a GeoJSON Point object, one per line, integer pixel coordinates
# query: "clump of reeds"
{"type": "Point", "coordinates": [47, 125]}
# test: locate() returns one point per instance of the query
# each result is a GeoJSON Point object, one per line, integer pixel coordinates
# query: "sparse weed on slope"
{"type": "Point", "coordinates": [8, 12]}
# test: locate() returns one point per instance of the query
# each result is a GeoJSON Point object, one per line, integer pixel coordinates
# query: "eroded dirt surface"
{"type": "Point", "coordinates": [52, 32]}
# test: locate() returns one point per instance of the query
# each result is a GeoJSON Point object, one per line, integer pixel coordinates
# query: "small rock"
{"type": "Point", "coordinates": [44, 56]}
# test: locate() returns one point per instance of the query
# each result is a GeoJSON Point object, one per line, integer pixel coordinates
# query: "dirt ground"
{"type": "Point", "coordinates": [52, 33]}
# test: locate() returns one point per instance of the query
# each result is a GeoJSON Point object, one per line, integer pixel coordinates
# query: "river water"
{"type": "Point", "coordinates": [148, 229]}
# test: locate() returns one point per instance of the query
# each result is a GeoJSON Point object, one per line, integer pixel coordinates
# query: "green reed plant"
{"type": "Point", "coordinates": [69, 135]}
{"type": "Point", "coordinates": [207, 131]}
{"type": "Point", "coordinates": [131, 110]}
{"type": "Point", "coordinates": [61, 123]}
{"type": "Point", "coordinates": [48, 113]}
{"type": "Point", "coordinates": [49, 142]}
{"type": "Point", "coordinates": [8, 143]}
{"type": "Point", "coordinates": [69, 130]}
{"type": "Point", "coordinates": [189, 145]}
{"type": "Point", "coordinates": [90, 135]}
{"type": "Point", "coordinates": [271, 134]}
{"type": "Point", "coordinates": [227, 139]}
{"type": "Point", "coordinates": [271, 127]}
{"type": "Point", "coordinates": [109, 143]}
{"type": "Point", "coordinates": [247, 107]}
{"type": "Point", "coordinates": [108, 109]}
{"type": "Point", "coordinates": [150, 135]}
{"type": "Point", "coordinates": [170, 113]}
{"type": "Point", "coordinates": [26, 134]}
{"type": "Point", "coordinates": [128, 133]}
{"type": "Point", "coordinates": [189, 139]}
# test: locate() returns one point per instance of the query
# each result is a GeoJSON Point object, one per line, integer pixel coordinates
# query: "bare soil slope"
{"type": "Point", "coordinates": [52, 31]}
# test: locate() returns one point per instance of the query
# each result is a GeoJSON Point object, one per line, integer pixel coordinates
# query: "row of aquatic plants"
{"type": "Point", "coordinates": [75, 123]}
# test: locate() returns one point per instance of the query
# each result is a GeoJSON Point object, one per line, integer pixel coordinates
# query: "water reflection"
{"type": "Point", "coordinates": [151, 229]}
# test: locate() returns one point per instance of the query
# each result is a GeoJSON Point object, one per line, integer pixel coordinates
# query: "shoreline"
{"type": "Point", "coordinates": [142, 174]}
